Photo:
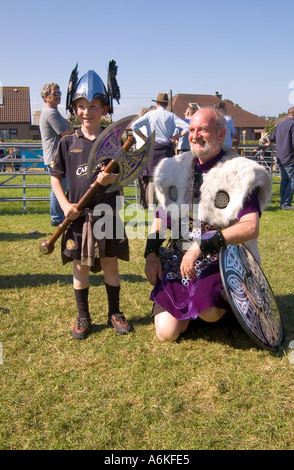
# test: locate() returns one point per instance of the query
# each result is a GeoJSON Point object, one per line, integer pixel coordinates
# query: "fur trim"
{"type": "Point", "coordinates": [178, 172]}
{"type": "Point", "coordinates": [237, 176]}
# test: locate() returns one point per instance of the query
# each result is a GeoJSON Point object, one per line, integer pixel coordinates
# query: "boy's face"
{"type": "Point", "coordinates": [90, 113]}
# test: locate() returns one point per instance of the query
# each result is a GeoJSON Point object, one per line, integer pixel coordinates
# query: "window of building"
{"type": "Point", "coordinates": [8, 134]}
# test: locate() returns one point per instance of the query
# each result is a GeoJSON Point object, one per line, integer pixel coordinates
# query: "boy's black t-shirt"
{"type": "Point", "coordinates": [71, 161]}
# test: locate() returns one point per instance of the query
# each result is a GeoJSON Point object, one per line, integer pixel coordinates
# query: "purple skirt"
{"type": "Point", "coordinates": [160, 152]}
{"type": "Point", "coordinates": [184, 299]}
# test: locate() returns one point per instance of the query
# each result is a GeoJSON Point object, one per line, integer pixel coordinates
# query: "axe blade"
{"type": "Point", "coordinates": [109, 146]}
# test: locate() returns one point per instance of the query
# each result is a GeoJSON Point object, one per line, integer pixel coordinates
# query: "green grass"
{"type": "Point", "coordinates": [212, 389]}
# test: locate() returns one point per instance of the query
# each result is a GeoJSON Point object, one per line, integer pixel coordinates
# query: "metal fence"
{"type": "Point", "coordinates": [22, 159]}
{"type": "Point", "coordinates": [265, 157]}
{"type": "Point", "coordinates": [26, 159]}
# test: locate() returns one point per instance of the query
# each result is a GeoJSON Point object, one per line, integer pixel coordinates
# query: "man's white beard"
{"type": "Point", "coordinates": [209, 149]}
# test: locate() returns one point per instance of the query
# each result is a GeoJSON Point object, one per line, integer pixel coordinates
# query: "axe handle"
{"type": "Point", "coordinates": [47, 246]}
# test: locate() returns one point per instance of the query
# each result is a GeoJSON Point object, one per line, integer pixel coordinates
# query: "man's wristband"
{"type": "Point", "coordinates": [211, 242]}
{"type": "Point", "coordinates": [153, 244]}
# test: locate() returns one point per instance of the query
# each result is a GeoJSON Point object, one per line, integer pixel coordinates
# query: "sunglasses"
{"type": "Point", "coordinates": [57, 93]}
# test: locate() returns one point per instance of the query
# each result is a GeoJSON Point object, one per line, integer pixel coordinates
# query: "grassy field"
{"type": "Point", "coordinates": [214, 389]}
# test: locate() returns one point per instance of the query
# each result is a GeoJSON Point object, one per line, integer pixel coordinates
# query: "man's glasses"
{"type": "Point", "coordinates": [57, 93]}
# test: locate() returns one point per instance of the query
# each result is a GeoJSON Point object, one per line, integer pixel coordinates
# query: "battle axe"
{"type": "Point", "coordinates": [130, 166]}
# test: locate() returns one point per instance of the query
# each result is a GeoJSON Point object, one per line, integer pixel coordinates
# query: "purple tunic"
{"type": "Point", "coordinates": [185, 299]}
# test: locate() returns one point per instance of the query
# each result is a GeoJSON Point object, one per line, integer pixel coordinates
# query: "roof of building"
{"type": "Point", "coordinates": [241, 118]}
{"type": "Point", "coordinates": [16, 106]}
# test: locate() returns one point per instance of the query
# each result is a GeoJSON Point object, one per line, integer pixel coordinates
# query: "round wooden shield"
{"type": "Point", "coordinates": [251, 297]}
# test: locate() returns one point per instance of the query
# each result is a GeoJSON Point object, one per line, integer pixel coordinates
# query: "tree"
{"type": "Point", "coordinates": [272, 124]}
{"type": "Point", "coordinates": [235, 104]}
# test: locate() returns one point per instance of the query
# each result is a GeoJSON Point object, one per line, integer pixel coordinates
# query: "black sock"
{"type": "Point", "coordinates": [113, 298]}
{"type": "Point", "coordinates": [82, 296]}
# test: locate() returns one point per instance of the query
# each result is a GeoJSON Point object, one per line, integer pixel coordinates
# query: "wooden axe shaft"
{"type": "Point", "coordinates": [47, 246]}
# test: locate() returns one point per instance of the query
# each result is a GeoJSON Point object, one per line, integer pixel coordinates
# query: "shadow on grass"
{"type": "Point", "coordinates": [12, 237]}
{"type": "Point", "coordinates": [37, 280]}
{"type": "Point", "coordinates": [15, 211]}
{"type": "Point", "coordinates": [144, 320]}
{"type": "Point", "coordinates": [225, 332]}
{"type": "Point", "coordinates": [273, 208]}
{"type": "Point", "coordinates": [286, 307]}
{"type": "Point", "coordinates": [229, 331]}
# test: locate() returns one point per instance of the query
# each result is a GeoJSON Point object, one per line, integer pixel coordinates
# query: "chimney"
{"type": "Point", "coordinates": [218, 95]}
{"type": "Point", "coordinates": [36, 120]}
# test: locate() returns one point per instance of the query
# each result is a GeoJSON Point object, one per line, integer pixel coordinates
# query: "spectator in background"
{"type": "Point", "coordinates": [231, 132]}
{"type": "Point", "coordinates": [283, 135]}
{"type": "Point", "coordinates": [184, 145]}
{"type": "Point", "coordinates": [2, 155]}
{"type": "Point", "coordinates": [164, 123]}
{"type": "Point", "coordinates": [142, 180]}
{"type": "Point", "coordinates": [53, 126]}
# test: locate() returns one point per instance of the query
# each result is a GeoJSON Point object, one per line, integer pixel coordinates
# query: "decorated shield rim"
{"type": "Point", "coordinates": [265, 343]}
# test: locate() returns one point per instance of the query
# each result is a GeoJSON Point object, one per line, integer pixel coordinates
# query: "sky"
{"type": "Point", "coordinates": [243, 50]}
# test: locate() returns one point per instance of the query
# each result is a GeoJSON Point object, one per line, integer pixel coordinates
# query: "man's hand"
{"type": "Point", "coordinates": [153, 269]}
{"type": "Point", "coordinates": [188, 261]}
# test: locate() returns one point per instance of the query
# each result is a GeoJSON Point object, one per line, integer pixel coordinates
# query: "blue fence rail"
{"type": "Point", "coordinates": [26, 159]}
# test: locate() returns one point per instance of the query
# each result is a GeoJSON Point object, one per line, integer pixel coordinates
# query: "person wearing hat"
{"type": "Point", "coordinates": [164, 123]}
